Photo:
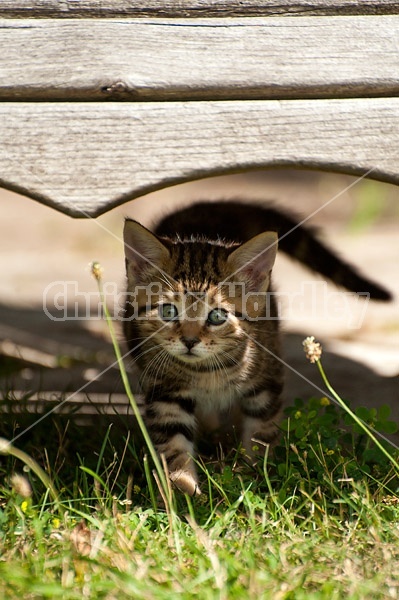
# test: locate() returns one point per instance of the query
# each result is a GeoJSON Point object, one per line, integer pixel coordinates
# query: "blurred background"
{"type": "Point", "coordinates": [358, 219]}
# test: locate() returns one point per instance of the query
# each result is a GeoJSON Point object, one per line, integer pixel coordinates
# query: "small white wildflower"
{"type": "Point", "coordinates": [5, 446]}
{"type": "Point", "coordinates": [21, 485]}
{"type": "Point", "coordinates": [313, 350]}
{"type": "Point", "coordinates": [96, 270]}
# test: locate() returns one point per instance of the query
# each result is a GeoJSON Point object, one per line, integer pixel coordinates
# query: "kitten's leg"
{"type": "Point", "coordinates": [171, 424]}
{"type": "Point", "coordinates": [261, 412]}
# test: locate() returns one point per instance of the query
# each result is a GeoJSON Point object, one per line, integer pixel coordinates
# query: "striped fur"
{"type": "Point", "coordinates": [203, 329]}
{"type": "Point", "coordinates": [244, 221]}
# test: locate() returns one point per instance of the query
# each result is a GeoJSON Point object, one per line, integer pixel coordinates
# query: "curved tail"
{"type": "Point", "coordinates": [238, 222]}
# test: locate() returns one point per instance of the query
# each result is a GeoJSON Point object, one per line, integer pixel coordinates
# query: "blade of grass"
{"type": "Point", "coordinates": [7, 448]}
{"type": "Point", "coordinates": [97, 273]}
{"type": "Point", "coordinates": [97, 478]}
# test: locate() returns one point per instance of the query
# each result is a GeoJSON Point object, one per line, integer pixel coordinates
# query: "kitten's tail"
{"type": "Point", "coordinates": [302, 244]}
{"type": "Point", "coordinates": [240, 222]}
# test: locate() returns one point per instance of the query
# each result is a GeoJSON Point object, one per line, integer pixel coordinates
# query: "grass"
{"type": "Point", "coordinates": [317, 520]}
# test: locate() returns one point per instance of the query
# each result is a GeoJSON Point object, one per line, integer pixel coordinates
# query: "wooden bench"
{"type": "Point", "coordinates": [102, 101]}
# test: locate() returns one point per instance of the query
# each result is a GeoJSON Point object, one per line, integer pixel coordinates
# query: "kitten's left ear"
{"type": "Point", "coordinates": [253, 261]}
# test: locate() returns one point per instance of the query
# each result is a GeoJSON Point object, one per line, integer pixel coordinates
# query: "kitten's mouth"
{"type": "Point", "coordinates": [189, 355]}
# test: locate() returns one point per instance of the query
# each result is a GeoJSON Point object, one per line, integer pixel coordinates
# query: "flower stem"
{"type": "Point", "coordinates": [7, 447]}
{"type": "Point", "coordinates": [358, 421]}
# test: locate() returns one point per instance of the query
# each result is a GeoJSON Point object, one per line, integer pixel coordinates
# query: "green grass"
{"type": "Point", "coordinates": [319, 519]}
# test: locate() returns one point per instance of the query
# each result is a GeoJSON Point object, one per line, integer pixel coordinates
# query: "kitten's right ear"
{"type": "Point", "coordinates": [253, 261]}
{"type": "Point", "coordinates": [144, 252]}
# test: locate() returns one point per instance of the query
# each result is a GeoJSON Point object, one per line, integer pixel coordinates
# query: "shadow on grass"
{"type": "Point", "coordinates": [49, 361]}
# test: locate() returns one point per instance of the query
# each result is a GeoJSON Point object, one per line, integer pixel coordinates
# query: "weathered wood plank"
{"type": "Point", "coordinates": [192, 8]}
{"type": "Point", "coordinates": [55, 59]}
{"type": "Point", "coordinates": [68, 403]}
{"type": "Point", "coordinates": [84, 158]}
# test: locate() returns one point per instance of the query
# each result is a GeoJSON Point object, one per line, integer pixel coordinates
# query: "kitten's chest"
{"type": "Point", "coordinates": [216, 391]}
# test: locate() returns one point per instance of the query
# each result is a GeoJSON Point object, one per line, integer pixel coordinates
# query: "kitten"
{"type": "Point", "coordinates": [202, 326]}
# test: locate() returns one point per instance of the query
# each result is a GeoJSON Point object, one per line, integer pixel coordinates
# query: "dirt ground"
{"type": "Point", "coordinates": [45, 254]}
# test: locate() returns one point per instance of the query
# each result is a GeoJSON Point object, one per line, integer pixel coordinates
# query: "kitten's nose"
{"type": "Point", "coordinates": [189, 342]}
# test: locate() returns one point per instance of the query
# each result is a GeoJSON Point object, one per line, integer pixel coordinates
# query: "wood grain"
{"type": "Point", "coordinates": [55, 59]}
{"type": "Point", "coordinates": [85, 158]}
{"type": "Point", "coordinates": [76, 405]}
{"type": "Point", "coordinates": [192, 8]}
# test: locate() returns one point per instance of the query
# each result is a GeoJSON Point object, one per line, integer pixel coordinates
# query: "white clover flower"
{"type": "Point", "coordinates": [313, 349]}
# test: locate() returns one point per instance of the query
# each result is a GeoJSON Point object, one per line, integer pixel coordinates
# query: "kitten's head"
{"type": "Point", "coordinates": [189, 297]}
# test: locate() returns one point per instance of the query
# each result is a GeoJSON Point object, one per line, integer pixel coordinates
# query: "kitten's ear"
{"type": "Point", "coordinates": [253, 261]}
{"type": "Point", "coordinates": [144, 252]}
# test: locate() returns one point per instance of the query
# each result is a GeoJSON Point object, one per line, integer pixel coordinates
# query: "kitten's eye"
{"type": "Point", "coordinates": [168, 312]}
{"type": "Point", "coordinates": [217, 316]}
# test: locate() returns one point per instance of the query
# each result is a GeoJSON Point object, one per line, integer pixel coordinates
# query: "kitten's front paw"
{"type": "Point", "coordinates": [185, 482]}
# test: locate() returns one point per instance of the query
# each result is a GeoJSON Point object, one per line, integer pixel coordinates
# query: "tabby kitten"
{"type": "Point", "coordinates": [202, 325]}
